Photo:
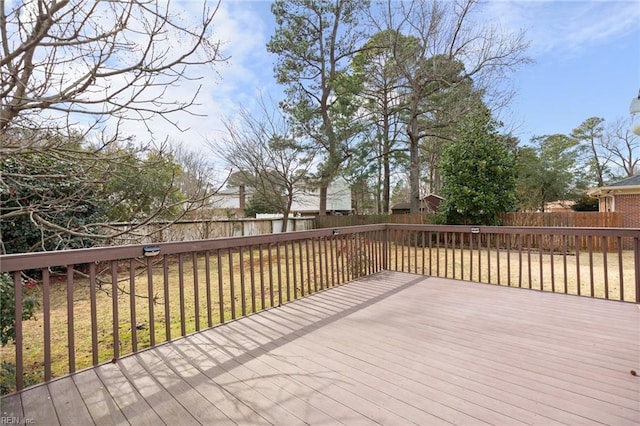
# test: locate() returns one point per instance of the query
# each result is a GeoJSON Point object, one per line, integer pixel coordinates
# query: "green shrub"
{"type": "Point", "coordinates": [7, 306]}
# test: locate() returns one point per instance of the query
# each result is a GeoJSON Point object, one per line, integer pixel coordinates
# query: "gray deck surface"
{"type": "Point", "coordinates": [393, 349]}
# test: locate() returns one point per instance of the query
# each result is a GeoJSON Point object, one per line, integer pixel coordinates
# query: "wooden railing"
{"type": "Point", "coordinates": [96, 305]}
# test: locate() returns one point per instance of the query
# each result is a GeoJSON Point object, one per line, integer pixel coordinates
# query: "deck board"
{"type": "Point", "coordinates": [392, 348]}
{"type": "Point", "coordinates": [102, 408]}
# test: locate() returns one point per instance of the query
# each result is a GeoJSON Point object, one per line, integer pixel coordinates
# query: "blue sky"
{"type": "Point", "coordinates": [586, 63]}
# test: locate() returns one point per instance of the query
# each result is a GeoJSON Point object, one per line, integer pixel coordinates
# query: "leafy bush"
{"type": "Point", "coordinates": [479, 175]}
{"type": "Point", "coordinates": [7, 307]}
{"type": "Point", "coordinates": [258, 204]}
{"type": "Point", "coordinates": [586, 203]}
{"type": "Point", "coordinates": [58, 191]}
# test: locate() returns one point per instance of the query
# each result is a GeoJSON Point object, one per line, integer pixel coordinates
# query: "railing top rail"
{"type": "Point", "coordinates": [522, 230]}
{"type": "Point", "coordinates": [23, 261]}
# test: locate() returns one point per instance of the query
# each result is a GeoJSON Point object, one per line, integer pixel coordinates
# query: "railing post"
{"type": "Point", "coordinates": [636, 255]}
{"type": "Point", "coordinates": [17, 294]}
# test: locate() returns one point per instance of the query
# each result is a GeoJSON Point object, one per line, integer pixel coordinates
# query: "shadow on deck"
{"type": "Point", "coordinates": [393, 348]}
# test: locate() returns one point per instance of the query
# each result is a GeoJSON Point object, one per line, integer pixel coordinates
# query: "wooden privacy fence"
{"type": "Point", "coordinates": [543, 242]}
{"type": "Point", "coordinates": [564, 219]}
{"type": "Point", "coordinates": [98, 304]}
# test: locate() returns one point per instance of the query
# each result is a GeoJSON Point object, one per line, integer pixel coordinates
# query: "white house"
{"type": "Point", "coordinates": [305, 203]}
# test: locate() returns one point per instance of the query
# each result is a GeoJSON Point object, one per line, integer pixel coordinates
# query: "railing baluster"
{"type": "Point", "coordinates": [564, 262]}
{"type": "Point", "coordinates": [183, 319]}
{"type": "Point", "coordinates": [620, 268]}
{"type": "Point", "coordinates": [327, 258]}
{"type": "Point", "coordinates": [577, 242]}
{"type": "Point", "coordinates": [196, 289]}
{"type": "Point", "coordinates": [167, 299]}
{"type": "Point", "coordinates": [232, 291]}
{"type": "Point", "coordinates": [404, 240]}
{"type": "Point", "coordinates": [372, 252]}
{"type": "Point", "coordinates": [207, 287]}
{"type": "Point", "coordinates": [446, 254]}
{"type": "Point", "coordinates": [340, 252]}
{"type": "Point", "coordinates": [332, 256]}
{"type": "Point", "coordinates": [415, 252]}
{"type": "Point", "coordinates": [529, 238]}
{"type": "Point", "coordinates": [430, 235]}
{"type": "Point", "coordinates": [243, 293]}
{"type": "Point", "coordinates": [462, 255]}
{"type": "Point", "coordinates": [152, 320]}
{"type": "Point", "coordinates": [520, 260]}
{"type": "Point", "coordinates": [261, 268]}
{"type": "Point", "coordinates": [509, 260]}
{"type": "Point", "coordinates": [395, 243]}
{"type": "Point", "coordinates": [541, 261]}
{"type": "Point", "coordinates": [453, 254]}
{"type": "Point", "coordinates": [252, 279]}
{"type": "Point", "coordinates": [279, 270]}
{"type": "Point", "coordinates": [605, 243]}
{"type": "Point", "coordinates": [422, 246]}
{"type": "Point", "coordinates": [301, 260]}
{"type": "Point", "coordinates": [287, 269]}
{"type": "Point", "coordinates": [636, 257]}
{"type": "Point", "coordinates": [71, 341]}
{"type": "Point", "coordinates": [294, 267]}
{"type": "Point", "coordinates": [319, 255]}
{"type": "Point", "coordinates": [306, 245]}
{"type": "Point", "coordinates": [498, 252]}
{"type": "Point", "coordinates": [488, 236]}
{"type": "Point", "coordinates": [221, 285]}
{"type": "Point", "coordinates": [270, 263]}
{"type": "Point", "coordinates": [471, 257]}
{"type": "Point", "coordinates": [46, 314]}
{"type": "Point", "coordinates": [114, 309]}
{"type": "Point", "coordinates": [479, 258]}
{"type": "Point", "coordinates": [132, 305]}
{"type": "Point", "coordinates": [553, 274]}
{"type": "Point", "coordinates": [315, 284]}
{"type": "Point", "coordinates": [591, 283]}
{"type": "Point", "coordinates": [94, 320]}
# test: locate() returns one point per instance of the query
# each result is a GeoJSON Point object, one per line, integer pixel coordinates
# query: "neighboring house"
{"type": "Point", "coordinates": [559, 206]}
{"type": "Point", "coordinates": [428, 204]}
{"type": "Point", "coordinates": [306, 203]}
{"type": "Point", "coordinates": [338, 200]}
{"type": "Point", "coordinates": [622, 196]}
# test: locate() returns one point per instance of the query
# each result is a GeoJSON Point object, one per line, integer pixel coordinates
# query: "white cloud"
{"type": "Point", "coordinates": [567, 27]}
{"type": "Point", "coordinates": [243, 34]}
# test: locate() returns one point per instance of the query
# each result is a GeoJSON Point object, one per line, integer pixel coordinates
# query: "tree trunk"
{"type": "Point", "coordinates": [414, 167]}
{"type": "Point", "coordinates": [323, 201]}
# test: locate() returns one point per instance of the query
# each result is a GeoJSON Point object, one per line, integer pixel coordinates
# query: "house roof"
{"type": "Point", "coordinates": [630, 185]}
{"type": "Point", "coordinates": [630, 181]}
{"type": "Point", "coordinates": [432, 201]}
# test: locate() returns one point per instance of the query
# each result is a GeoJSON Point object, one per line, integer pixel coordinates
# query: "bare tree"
{"type": "Point", "coordinates": [590, 136]}
{"type": "Point", "coordinates": [72, 72]}
{"type": "Point", "coordinates": [262, 149]}
{"type": "Point", "coordinates": [623, 146]}
{"type": "Point", "coordinates": [439, 49]}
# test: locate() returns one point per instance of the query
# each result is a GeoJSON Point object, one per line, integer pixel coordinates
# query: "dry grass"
{"type": "Point", "coordinates": [535, 269]}
{"type": "Point", "coordinates": [194, 303]}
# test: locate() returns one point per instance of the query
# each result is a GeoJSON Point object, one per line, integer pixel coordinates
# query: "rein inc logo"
{"type": "Point", "coordinates": [15, 420]}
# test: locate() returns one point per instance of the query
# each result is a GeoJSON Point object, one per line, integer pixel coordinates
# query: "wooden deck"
{"type": "Point", "coordinates": [392, 349]}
